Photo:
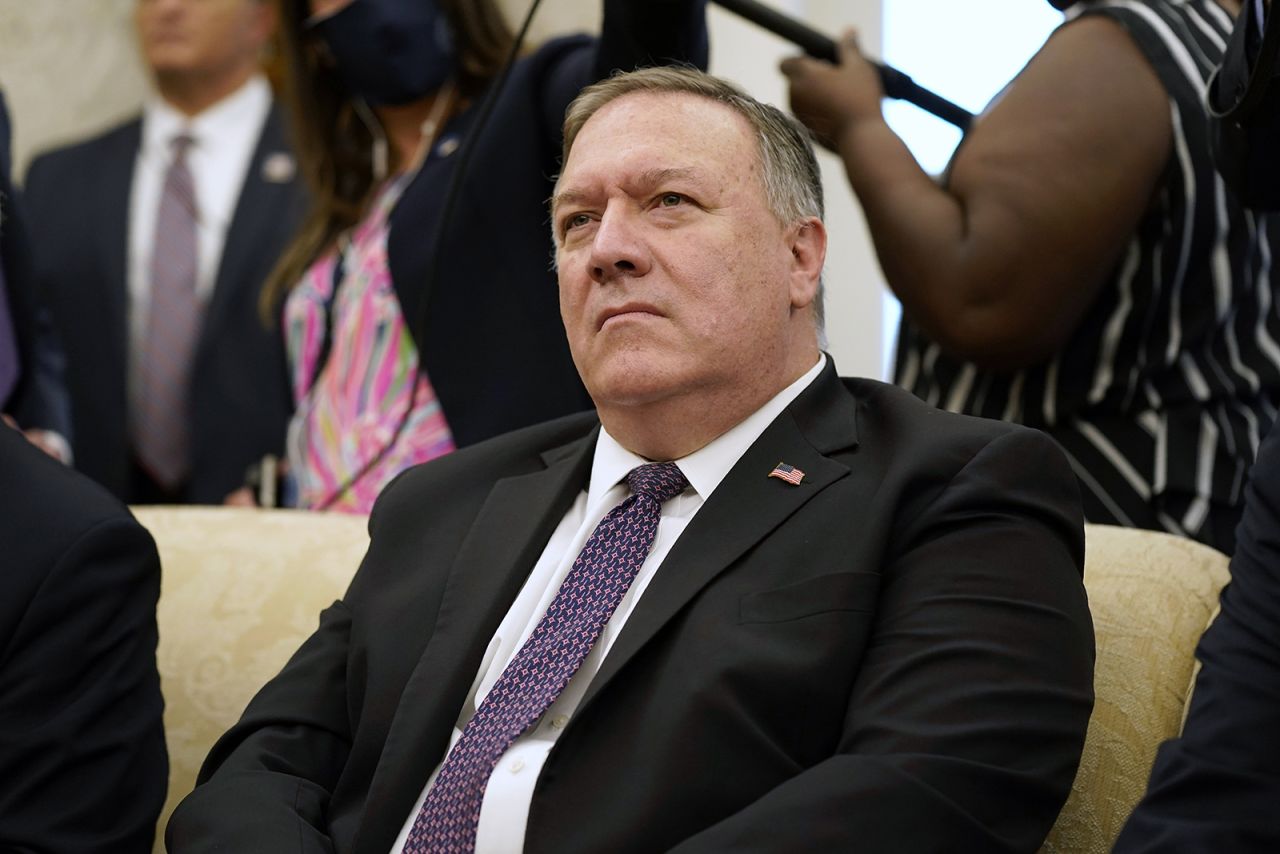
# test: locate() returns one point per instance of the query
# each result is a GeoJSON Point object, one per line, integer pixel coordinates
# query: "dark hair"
{"type": "Point", "coordinates": [335, 147]}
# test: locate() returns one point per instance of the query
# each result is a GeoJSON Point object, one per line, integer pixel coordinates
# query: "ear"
{"type": "Point", "coordinates": [808, 239]}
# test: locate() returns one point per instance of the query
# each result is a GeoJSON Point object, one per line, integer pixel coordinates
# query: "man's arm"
{"type": "Point", "coordinates": [82, 752]}
{"type": "Point", "coordinates": [1000, 264]}
{"type": "Point", "coordinates": [41, 405]}
{"type": "Point", "coordinates": [966, 721]}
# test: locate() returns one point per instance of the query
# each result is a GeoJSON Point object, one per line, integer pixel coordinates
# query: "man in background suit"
{"type": "Point", "coordinates": [835, 620]}
{"type": "Point", "coordinates": [153, 241]}
{"type": "Point", "coordinates": [32, 391]}
{"type": "Point", "coordinates": [83, 766]}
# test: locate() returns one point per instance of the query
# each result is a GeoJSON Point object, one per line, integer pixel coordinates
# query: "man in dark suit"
{"type": "Point", "coordinates": [836, 619]}
{"type": "Point", "coordinates": [177, 382]}
{"type": "Point", "coordinates": [82, 754]}
{"type": "Point", "coordinates": [33, 395]}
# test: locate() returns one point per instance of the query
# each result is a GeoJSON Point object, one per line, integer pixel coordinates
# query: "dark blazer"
{"type": "Point", "coordinates": [83, 766]}
{"type": "Point", "coordinates": [481, 298]}
{"type": "Point", "coordinates": [1217, 787]}
{"type": "Point", "coordinates": [894, 655]}
{"type": "Point", "coordinates": [240, 395]}
{"type": "Point", "coordinates": [40, 399]}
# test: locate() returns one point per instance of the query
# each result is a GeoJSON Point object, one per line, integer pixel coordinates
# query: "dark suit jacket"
{"type": "Point", "coordinates": [83, 766]}
{"type": "Point", "coordinates": [240, 398]}
{"type": "Point", "coordinates": [486, 316]}
{"type": "Point", "coordinates": [1217, 788]}
{"type": "Point", "coordinates": [40, 399]}
{"type": "Point", "coordinates": [894, 655]}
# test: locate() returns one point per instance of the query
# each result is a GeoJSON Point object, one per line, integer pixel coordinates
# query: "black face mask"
{"type": "Point", "coordinates": [389, 51]}
{"type": "Point", "coordinates": [1244, 99]}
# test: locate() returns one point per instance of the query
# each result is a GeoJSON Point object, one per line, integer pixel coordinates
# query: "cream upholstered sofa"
{"type": "Point", "coordinates": [242, 589]}
{"type": "Point", "coordinates": [1151, 595]}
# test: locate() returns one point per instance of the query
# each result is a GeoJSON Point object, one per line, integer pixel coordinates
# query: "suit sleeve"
{"type": "Point", "coordinates": [966, 721]}
{"type": "Point", "coordinates": [41, 399]}
{"type": "Point", "coordinates": [1217, 786]}
{"type": "Point", "coordinates": [82, 752]}
{"type": "Point", "coordinates": [633, 34]}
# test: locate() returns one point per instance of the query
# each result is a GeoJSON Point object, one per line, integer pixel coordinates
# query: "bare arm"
{"type": "Point", "coordinates": [1000, 265]}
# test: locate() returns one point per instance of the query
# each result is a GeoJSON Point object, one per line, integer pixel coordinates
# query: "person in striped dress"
{"type": "Point", "coordinates": [1081, 267]}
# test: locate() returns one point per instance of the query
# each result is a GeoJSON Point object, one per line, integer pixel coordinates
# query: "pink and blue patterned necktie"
{"type": "Point", "coordinates": [599, 578]}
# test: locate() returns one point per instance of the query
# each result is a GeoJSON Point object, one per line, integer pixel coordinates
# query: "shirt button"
{"type": "Point", "coordinates": [559, 721]}
{"type": "Point", "coordinates": [517, 766]}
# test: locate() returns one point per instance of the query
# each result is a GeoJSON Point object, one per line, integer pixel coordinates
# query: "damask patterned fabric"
{"type": "Point", "coordinates": [240, 590]}
{"type": "Point", "coordinates": [1151, 595]}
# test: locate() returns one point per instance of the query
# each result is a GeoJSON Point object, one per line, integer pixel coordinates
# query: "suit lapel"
{"type": "Point", "coordinates": [504, 543]}
{"type": "Point", "coordinates": [260, 212]}
{"type": "Point", "coordinates": [745, 508]}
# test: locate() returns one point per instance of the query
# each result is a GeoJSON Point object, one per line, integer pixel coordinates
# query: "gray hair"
{"type": "Point", "coordinates": [789, 169]}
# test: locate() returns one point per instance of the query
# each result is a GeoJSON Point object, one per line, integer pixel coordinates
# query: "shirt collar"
{"type": "Point", "coordinates": [707, 466]}
{"type": "Point", "coordinates": [161, 122]}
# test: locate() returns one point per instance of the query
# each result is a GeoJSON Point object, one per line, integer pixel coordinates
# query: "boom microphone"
{"type": "Point", "coordinates": [895, 83]}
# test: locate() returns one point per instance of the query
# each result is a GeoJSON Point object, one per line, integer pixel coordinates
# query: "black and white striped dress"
{"type": "Point", "coordinates": [1162, 394]}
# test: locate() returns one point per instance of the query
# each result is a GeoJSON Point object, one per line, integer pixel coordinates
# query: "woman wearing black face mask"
{"type": "Point", "coordinates": [383, 94]}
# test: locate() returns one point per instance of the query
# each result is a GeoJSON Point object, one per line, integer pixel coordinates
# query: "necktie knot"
{"type": "Point", "coordinates": [180, 143]}
{"type": "Point", "coordinates": [659, 481]}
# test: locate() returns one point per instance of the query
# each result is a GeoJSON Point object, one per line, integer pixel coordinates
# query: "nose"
{"type": "Point", "coordinates": [618, 248]}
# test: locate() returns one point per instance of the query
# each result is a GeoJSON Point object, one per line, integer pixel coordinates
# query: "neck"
{"type": "Point", "coordinates": [672, 428]}
{"type": "Point", "coordinates": [192, 94]}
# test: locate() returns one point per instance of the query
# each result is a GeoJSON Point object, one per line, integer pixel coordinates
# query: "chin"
{"type": "Point", "coordinates": [631, 382]}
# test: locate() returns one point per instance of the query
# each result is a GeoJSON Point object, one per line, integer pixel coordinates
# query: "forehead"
{"type": "Point", "coordinates": [662, 130]}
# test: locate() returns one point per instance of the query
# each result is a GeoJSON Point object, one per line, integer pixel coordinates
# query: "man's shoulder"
{"type": "Point", "coordinates": [892, 411]}
{"type": "Point", "coordinates": [119, 142]}
{"type": "Point", "coordinates": [47, 507]}
{"type": "Point", "coordinates": [518, 452]}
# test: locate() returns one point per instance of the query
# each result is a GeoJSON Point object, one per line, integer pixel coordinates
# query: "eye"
{"type": "Point", "coordinates": [578, 220]}
{"type": "Point", "coordinates": [670, 200]}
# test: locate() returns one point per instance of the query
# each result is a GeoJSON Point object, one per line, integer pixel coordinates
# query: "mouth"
{"type": "Point", "coordinates": [625, 312]}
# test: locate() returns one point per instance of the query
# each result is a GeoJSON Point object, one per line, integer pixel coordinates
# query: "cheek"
{"type": "Point", "coordinates": [573, 302]}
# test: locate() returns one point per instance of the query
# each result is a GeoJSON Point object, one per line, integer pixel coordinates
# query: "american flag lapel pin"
{"type": "Point", "coordinates": [790, 474]}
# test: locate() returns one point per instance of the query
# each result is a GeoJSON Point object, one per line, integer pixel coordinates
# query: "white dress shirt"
{"type": "Point", "coordinates": [504, 811]}
{"type": "Point", "coordinates": [225, 136]}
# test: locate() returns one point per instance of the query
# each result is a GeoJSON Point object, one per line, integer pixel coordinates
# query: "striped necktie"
{"type": "Point", "coordinates": [160, 413]}
{"type": "Point", "coordinates": [599, 578]}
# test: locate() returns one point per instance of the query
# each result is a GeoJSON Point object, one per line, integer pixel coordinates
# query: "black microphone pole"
{"type": "Point", "coordinates": [895, 83]}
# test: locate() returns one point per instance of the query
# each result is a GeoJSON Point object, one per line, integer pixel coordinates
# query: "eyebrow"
{"type": "Point", "coordinates": [647, 179]}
